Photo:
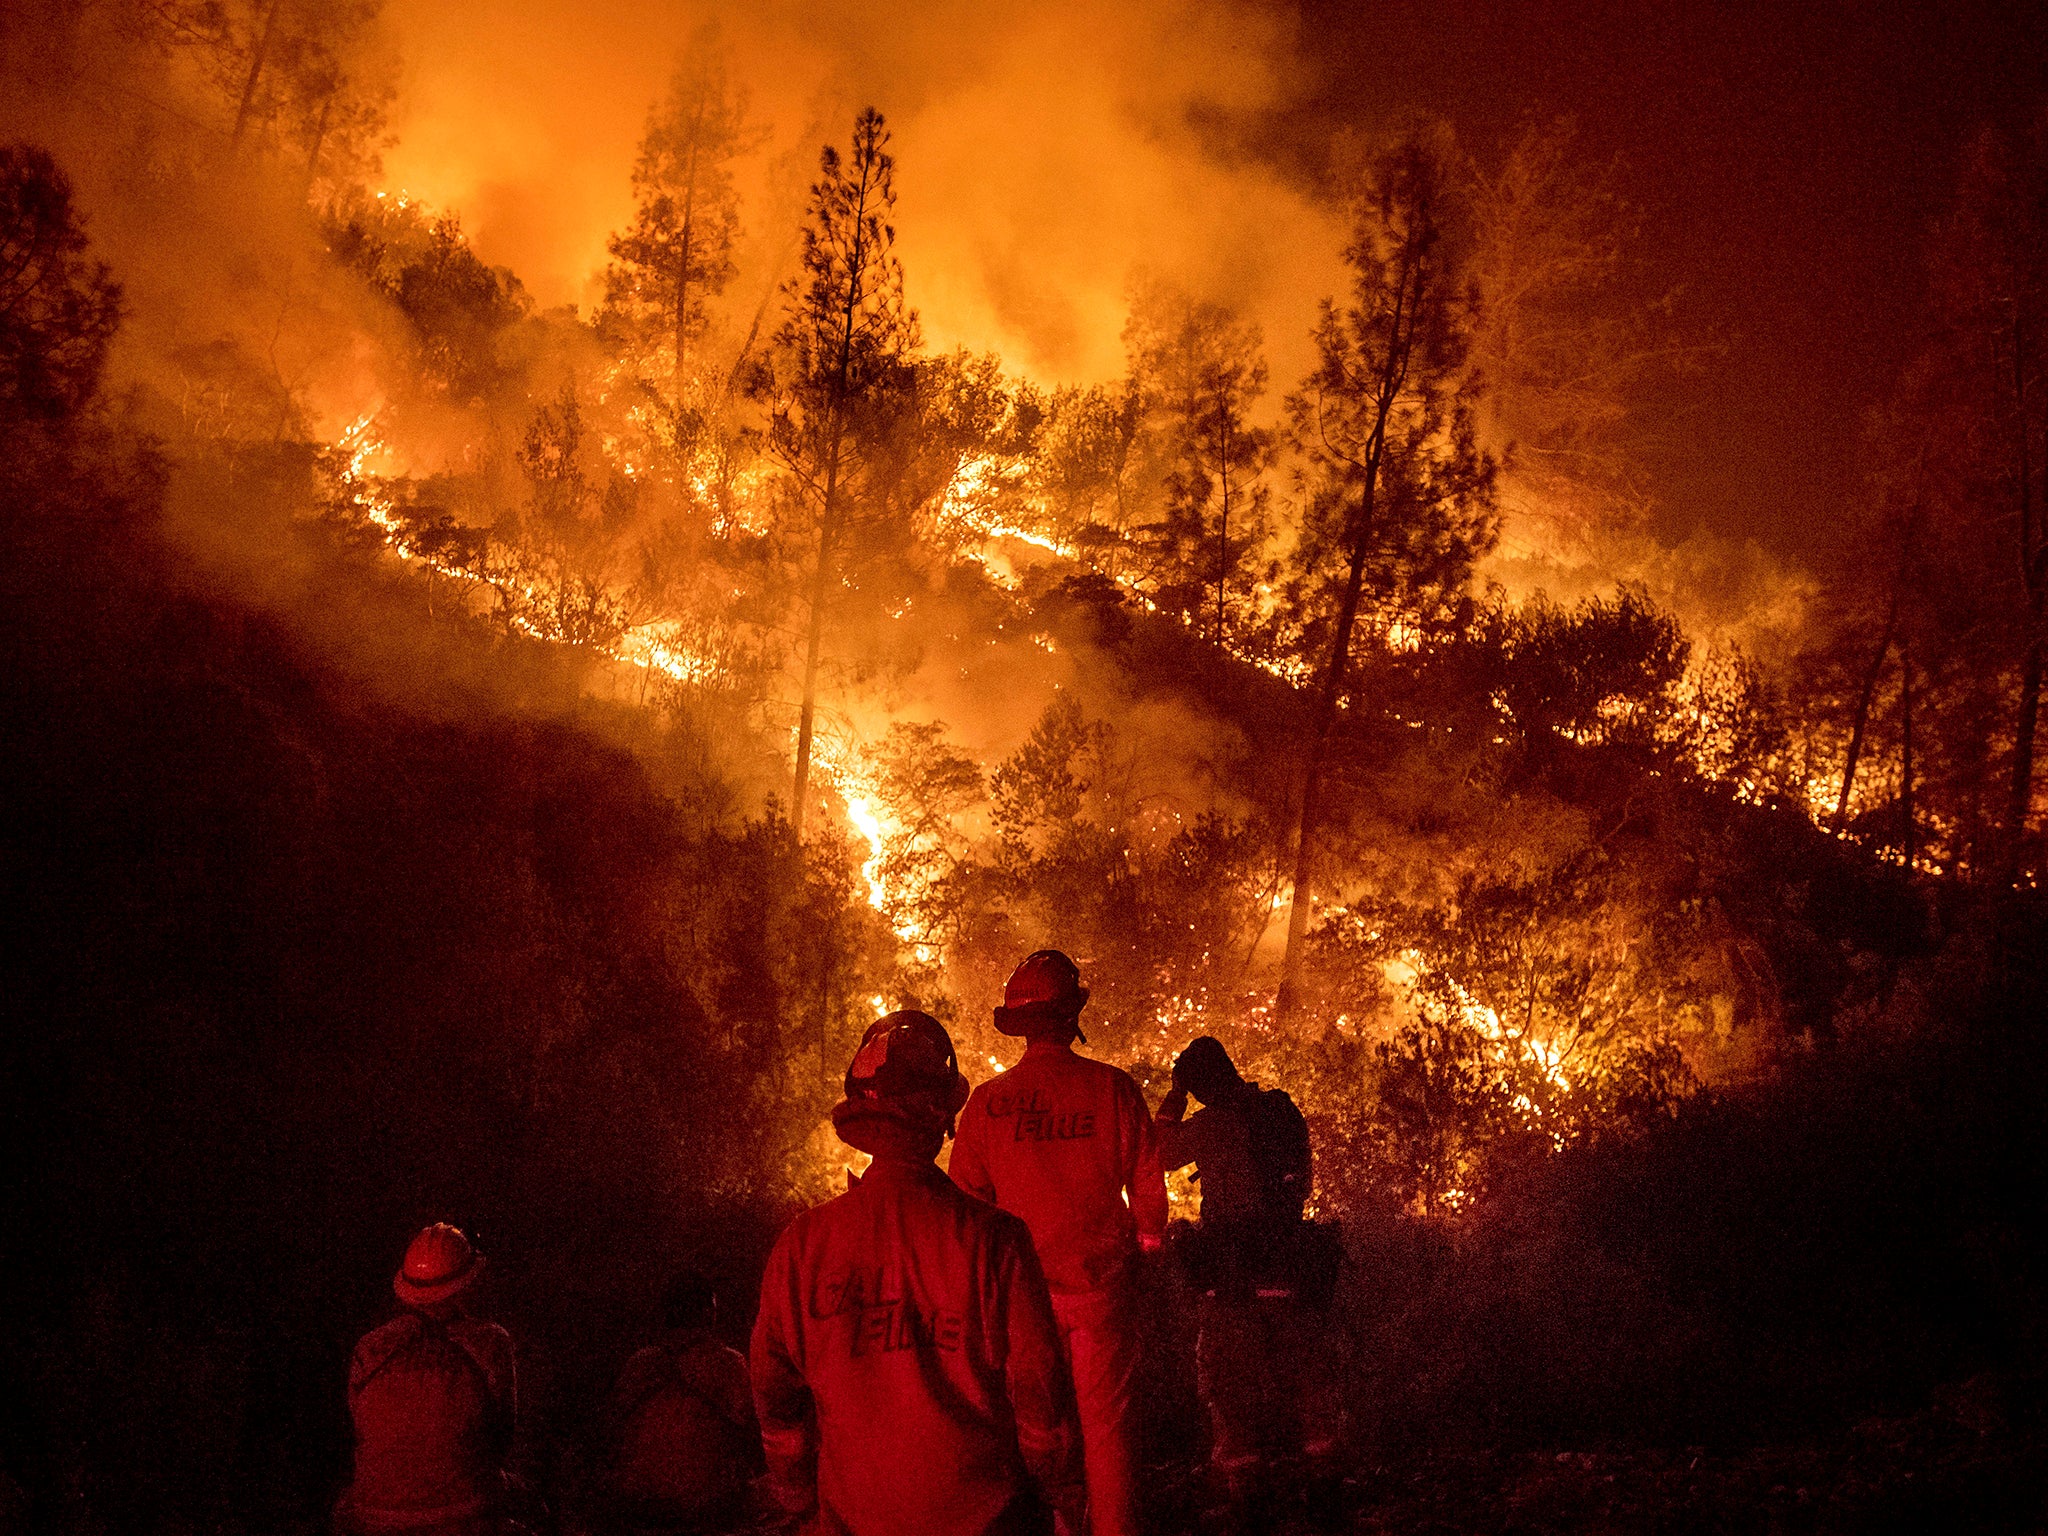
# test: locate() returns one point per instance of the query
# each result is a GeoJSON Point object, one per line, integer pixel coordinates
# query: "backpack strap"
{"type": "Point", "coordinates": [430, 1328]}
{"type": "Point", "coordinates": [670, 1376]}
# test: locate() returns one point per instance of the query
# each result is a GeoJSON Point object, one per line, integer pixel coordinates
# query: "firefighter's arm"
{"type": "Point", "coordinates": [1178, 1139]}
{"type": "Point", "coordinates": [736, 1404]}
{"type": "Point", "coordinates": [782, 1399]}
{"type": "Point", "coordinates": [1041, 1390]}
{"type": "Point", "coordinates": [1145, 1180]}
{"type": "Point", "coordinates": [968, 1166]}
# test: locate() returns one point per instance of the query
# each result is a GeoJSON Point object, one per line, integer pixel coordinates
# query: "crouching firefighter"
{"type": "Point", "coordinates": [1067, 1144]}
{"type": "Point", "coordinates": [679, 1427]}
{"type": "Point", "coordinates": [1265, 1350]}
{"type": "Point", "coordinates": [434, 1400]}
{"type": "Point", "coordinates": [905, 1361]}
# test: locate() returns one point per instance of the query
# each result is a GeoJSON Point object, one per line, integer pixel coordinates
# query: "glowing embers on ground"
{"type": "Point", "coordinates": [536, 608]}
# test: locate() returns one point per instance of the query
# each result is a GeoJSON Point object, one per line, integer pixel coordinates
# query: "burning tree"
{"type": "Point", "coordinates": [677, 256]}
{"type": "Point", "coordinates": [841, 370]}
{"type": "Point", "coordinates": [459, 313]}
{"type": "Point", "coordinates": [1198, 372]}
{"type": "Point", "coordinates": [1398, 491]}
{"type": "Point", "coordinates": [1085, 467]}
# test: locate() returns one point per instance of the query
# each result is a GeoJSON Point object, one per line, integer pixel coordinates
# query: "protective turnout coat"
{"type": "Point", "coordinates": [905, 1363]}
{"type": "Point", "coordinates": [434, 1404]}
{"type": "Point", "coordinates": [1063, 1141]}
{"type": "Point", "coordinates": [1066, 1143]}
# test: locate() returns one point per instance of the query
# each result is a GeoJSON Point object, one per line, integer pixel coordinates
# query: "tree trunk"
{"type": "Point", "coordinates": [256, 62]}
{"type": "Point", "coordinates": [2021, 800]}
{"type": "Point", "coordinates": [319, 139]}
{"type": "Point", "coordinates": [1870, 677]}
{"type": "Point", "coordinates": [1311, 784]}
{"type": "Point", "coordinates": [813, 644]}
{"type": "Point", "coordinates": [682, 313]}
{"type": "Point", "coordinates": [1908, 841]}
{"type": "Point", "coordinates": [828, 518]}
{"type": "Point", "coordinates": [1223, 525]}
{"type": "Point", "coordinates": [683, 264]}
{"type": "Point", "coordinates": [1393, 377]}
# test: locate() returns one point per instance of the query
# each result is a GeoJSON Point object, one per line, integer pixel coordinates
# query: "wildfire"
{"type": "Point", "coordinates": [652, 647]}
{"type": "Point", "coordinates": [1405, 973]}
{"type": "Point", "coordinates": [869, 825]}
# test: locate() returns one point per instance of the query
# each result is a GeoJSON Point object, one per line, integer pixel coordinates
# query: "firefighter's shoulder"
{"type": "Point", "coordinates": [1001, 1228]}
{"type": "Point", "coordinates": [992, 1085]}
{"type": "Point", "coordinates": [802, 1227]}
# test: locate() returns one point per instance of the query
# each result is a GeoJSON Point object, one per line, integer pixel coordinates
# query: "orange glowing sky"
{"type": "Point", "coordinates": [1044, 153]}
{"type": "Point", "coordinates": [1782, 164]}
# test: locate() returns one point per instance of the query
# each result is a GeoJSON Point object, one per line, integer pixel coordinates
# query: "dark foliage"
{"type": "Point", "coordinates": [1771, 1263]}
{"type": "Point", "coordinates": [58, 306]}
{"type": "Point", "coordinates": [296, 969]}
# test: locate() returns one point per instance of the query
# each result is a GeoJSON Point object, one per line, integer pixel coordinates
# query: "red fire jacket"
{"type": "Point", "coordinates": [1062, 1141]}
{"type": "Point", "coordinates": [434, 1404]}
{"type": "Point", "coordinates": [906, 1365]}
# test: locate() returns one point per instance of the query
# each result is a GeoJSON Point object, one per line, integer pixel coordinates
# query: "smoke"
{"type": "Point", "coordinates": [1045, 152]}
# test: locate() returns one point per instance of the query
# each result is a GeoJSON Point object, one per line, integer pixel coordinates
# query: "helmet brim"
{"type": "Point", "coordinates": [1030, 1018]}
{"type": "Point", "coordinates": [416, 1294]}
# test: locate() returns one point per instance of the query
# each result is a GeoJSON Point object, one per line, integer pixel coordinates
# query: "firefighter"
{"type": "Point", "coordinates": [680, 1424]}
{"type": "Point", "coordinates": [1263, 1275]}
{"type": "Point", "coordinates": [905, 1360]}
{"type": "Point", "coordinates": [434, 1400]}
{"type": "Point", "coordinates": [1067, 1144]}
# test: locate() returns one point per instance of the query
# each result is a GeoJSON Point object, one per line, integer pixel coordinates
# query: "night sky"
{"type": "Point", "coordinates": [1785, 160]}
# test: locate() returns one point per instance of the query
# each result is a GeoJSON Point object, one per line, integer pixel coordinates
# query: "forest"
{"type": "Point", "coordinates": [477, 758]}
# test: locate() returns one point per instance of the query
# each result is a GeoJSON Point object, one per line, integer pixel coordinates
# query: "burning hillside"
{"type": "Point", "coordinates": [556, 730]}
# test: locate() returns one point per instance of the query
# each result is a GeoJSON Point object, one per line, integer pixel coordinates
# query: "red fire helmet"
{"type": "Point", "coordinates": [1045, 990]}
{"type": "Point", "coordinates": [439, 1263]}
{"type": "Point", "coordinates": [906, 1062]}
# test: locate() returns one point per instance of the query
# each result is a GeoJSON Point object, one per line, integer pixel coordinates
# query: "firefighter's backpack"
{"type": "Point", "coordinates": [1280, 1154]}
{"type": "Point", "coordinates": [678, 1448]}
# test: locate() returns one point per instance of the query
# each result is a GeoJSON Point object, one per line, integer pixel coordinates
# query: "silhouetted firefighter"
{"type": "Point", "coordinates": [1264, 1275]}
{"type": "Point", "coordinates": [434, 1400]}
{"type": "Point", "coordinates": [1064, 1142]}
{"type": "Point", "coordinates": [906, 1361]}
{"type": "Point", "coordinates": [680, 1435]}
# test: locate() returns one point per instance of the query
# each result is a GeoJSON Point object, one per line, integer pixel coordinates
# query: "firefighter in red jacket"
{"type": "Point", "coordinates": [1067, 1144]}
{"type": "Point", "coordinates": [434, 1398]}
{"type": "Point", "coordinates": [905, 1360]}
{"type": "Point", "coordinates": [680, 1424]}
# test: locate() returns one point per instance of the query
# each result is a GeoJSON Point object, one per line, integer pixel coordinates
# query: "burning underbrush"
{"type": "Point", "coordinates": [492, 762]}
{"type": "Point", "coordinates": [1551, 929]}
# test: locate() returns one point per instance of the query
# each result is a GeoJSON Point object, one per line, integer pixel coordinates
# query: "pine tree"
{"type": "Point", "coordinates": [677, 256]}
{"type": "Point", "coordinates": [1200, 374]}
{"type": "Point", "coordinates": [842, 367]}
{"type": "Point", "coordinates": [1398, 493]}
{"type": "Point", "coordinates": [303, 74]}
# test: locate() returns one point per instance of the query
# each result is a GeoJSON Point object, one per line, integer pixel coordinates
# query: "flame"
{"type": "Point", "coordinates": [869, 825]}
{"type": "Point", "coordinates": [653, 647]}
